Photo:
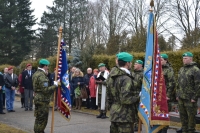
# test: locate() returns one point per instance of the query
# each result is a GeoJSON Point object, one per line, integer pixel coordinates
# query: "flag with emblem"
{"type": "Point", "coordinates": [153, 110]}
{"type": "Point", "coordinates": [64, 101]}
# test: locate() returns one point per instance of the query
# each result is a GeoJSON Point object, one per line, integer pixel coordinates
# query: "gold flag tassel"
{"type": "Point", "coordinates": [152, 5]}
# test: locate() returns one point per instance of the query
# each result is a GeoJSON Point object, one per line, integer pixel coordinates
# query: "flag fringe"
{"type": "Point", "coordinates": [66, 105]}
{"type": "Point", "coordinates": [158, 129]}
{"type": "Point", "coordinates": [68, 119]}
{"type": "Point", "coordinates": [143, 121]}
{"type": "Point", "coordinates": [159, 122]}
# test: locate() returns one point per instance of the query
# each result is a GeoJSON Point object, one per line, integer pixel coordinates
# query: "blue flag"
{"type": "Point", "coordinates": [145, 98]}
{"type": "Point", "coordinates": [152, 120]}
{"type": "Point", "coordinates": [64, 100]}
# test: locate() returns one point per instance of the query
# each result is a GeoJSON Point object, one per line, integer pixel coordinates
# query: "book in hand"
{"type": "Point", "coordinates": [100, 78]}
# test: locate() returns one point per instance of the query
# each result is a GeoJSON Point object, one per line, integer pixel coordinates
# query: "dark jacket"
{"type": "Point", "coordinates": [1, 81]}
{"type": "Point", "coordinates": [87, 79]}
{"type": "Point", "coordinates": [27, 82]}
{"type": "Point", "coordinates": [52, 78]}
{"type": "Point", "coordinates": [9, 82]}
{"type": "Point", "coordinates": [74, 82]}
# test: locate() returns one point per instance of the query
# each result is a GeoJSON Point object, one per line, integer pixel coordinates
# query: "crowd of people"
{"type": "Point", "coordinates": [10, 82]}
{"type": "Point", "coordinates": [117, 90]}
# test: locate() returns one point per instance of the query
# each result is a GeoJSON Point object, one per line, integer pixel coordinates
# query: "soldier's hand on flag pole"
{"type": "Point", "coordinates": [57, 83]}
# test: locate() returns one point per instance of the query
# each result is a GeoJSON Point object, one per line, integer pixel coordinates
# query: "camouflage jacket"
{"type": "Point", "coordinates": [138, 77]}
{"type": "Point", "coordinates": [168, 74]}
{"type": "Point", "coordinates": [41, 86]}
{"type": "Point", "coordinates": [121, 96]}
{"type": "Point", "coordinates": [188, 82]}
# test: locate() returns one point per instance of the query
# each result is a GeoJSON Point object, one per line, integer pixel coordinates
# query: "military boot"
{"type": "Point", "coordinates": [179, 130]}
{"type": "Point", "coordinates": [104, 116]}
{"type": "Point", "coordinates": [136, 128]}
{"type": "Point", "coordinates": [100, 115]}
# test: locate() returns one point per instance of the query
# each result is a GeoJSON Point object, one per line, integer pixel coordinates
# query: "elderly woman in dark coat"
{"type": "Point", "coordinates": [76, 84]}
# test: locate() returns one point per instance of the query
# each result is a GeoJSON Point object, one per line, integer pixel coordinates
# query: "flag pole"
{"type": "Point", "coordinates": [153, 69]}
{"type": "Point", "coordinates": [56, 75]}
{"type": "Point", "coordinates": [139, 126]}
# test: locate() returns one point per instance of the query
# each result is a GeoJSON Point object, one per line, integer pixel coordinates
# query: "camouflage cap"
{"type": "Point", "coordinates": [164, 56]}
{"type": "Point", "coordinates": [124, 56]}
{"type": "Point", "coordinates": [139, 62]}
{"type": "Point", "coordinates": [101, 65]}
{"type": "Point", "coordinates": [44, 62]}
{"type": "Point", "coordinates": [187, 54]}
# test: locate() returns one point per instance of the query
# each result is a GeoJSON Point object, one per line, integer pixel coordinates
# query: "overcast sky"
{"type": "Point", "coordinates": [40, 6]}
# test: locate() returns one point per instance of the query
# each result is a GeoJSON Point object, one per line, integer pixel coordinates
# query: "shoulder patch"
{"type": "Point", "coordinates": [45, 84]}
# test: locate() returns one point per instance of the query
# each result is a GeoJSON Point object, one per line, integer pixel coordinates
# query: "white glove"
{"type": "Point", "coordinates": [55, 83]}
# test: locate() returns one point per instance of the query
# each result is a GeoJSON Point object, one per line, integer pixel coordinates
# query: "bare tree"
{"type": "Point", "coordinates": [114, 15]}
{"type": "Point", "coordinates": [185, 15]}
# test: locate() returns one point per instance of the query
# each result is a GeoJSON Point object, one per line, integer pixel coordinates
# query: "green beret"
{"type": "Point", "coordinates": [124, 56]}
{"type": "Point", "coordinates": [139, 62]}
{"type": "Point", "coordinates": [187, 54]}
{"type": "Point", "coordinates": [119, 53]}
{"type": "Point", "coordinates": [164, 56]}
{"type": "Point", "coordinates": [44, 62]}
{"type": "Point", "coordinates": [101, 65]}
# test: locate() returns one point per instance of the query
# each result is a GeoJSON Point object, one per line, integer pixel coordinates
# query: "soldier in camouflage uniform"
{"type": "Point", "coordinates": [168, 74]}
{"type": "Point", "coordinates": [43, 92]}
{"type": "Point", "coordinates": [122, 96]}
{"type": "Point", "coordinates": [188, 92]}
{"type": "Point", "coordinates": [138, 77]}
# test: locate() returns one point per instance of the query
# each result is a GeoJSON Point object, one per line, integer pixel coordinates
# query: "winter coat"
{"type": "Point", "coordinates": [9, 82]}
{"type": "Point", "coordinates": [21, 90]}
{"type": "Point", "coordinates": [1, 81]}
{"type": "Point", "coordinates": [87, 79]}
{"type": "Point", "coordinates": [52, 78]}
{"type": "Point", "coordinates": [75, 80]}
{"type": "Point", "coordinates": [92, 86]}
{"type": "Point", "coordinates": [27, 82]}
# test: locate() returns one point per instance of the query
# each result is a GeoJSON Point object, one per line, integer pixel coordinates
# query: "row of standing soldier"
{"type": "Point", "coordinates": [123, 88]}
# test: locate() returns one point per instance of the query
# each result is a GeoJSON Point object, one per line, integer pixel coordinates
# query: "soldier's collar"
{"type": "Point", "coordinates": [41, 69]}
{"type": "Point", "coordinates": [126, 70]}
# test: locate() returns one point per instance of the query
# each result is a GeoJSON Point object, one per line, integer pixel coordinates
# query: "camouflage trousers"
{"type": "Point", "coordinates": [136, 115]}
{"type": "Point", "coordinates": [41, 116]}
{"type": "Point", "coordinates": [121, 127]}
{"type": "Point", "coordinates": [187, 110]}
{"type": "Point", "coordinates": [99, 105]}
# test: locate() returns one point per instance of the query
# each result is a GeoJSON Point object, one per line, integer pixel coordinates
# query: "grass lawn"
{"type": "Point", "coordinates": [9, 129]}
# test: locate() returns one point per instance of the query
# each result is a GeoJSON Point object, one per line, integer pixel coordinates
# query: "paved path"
{"type": "Point", "coordinates": [79, 123]}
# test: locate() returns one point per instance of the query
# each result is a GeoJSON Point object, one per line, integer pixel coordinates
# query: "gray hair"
{"type": "Point", "coordinates": [89, 69]}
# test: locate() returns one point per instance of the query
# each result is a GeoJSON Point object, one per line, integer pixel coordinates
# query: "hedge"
{"type": "Point", "coordinates": [175, 58]}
